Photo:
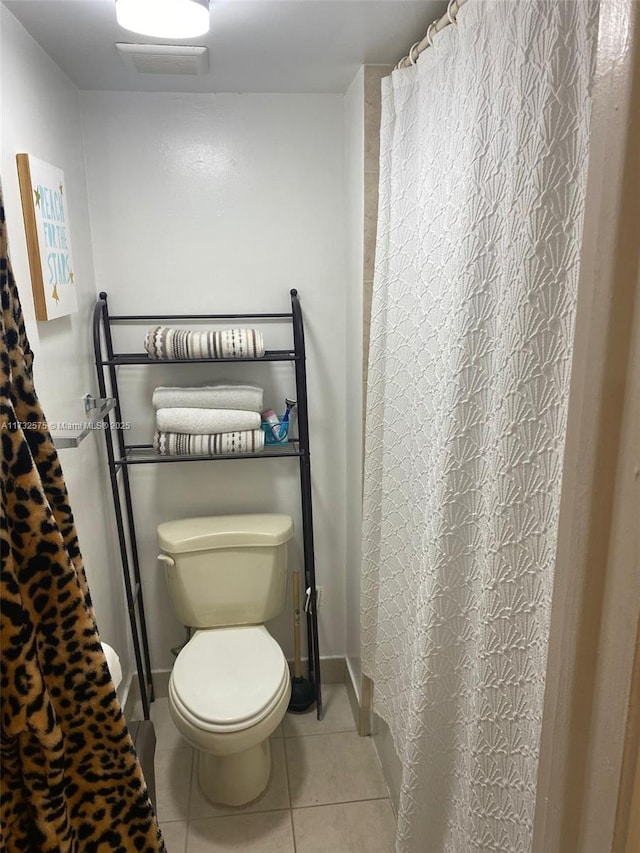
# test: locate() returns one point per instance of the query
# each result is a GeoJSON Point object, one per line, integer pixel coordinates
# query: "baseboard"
{"type": "Point", "coordinates": [352, 693]}
{"type": "Point", "coordinates": [333, 671]}
{"type": "Point", "coordinates": [129, 696]}
{"type": "Point", "coordinates": [389, 761]}
{"type": "Point", "coordinates": [360, 701]}
{"type": "Point", "coordinates": [366, 706]}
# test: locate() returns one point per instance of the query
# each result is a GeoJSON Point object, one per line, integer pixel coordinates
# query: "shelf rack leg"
{"type": "Point", "coordinates": [305, 496]}
{"type": "Point", "coordinates": [133, 595]}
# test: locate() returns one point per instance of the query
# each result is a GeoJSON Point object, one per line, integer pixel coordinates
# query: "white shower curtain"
{"type": "Point", "coordinates": [484, 146]}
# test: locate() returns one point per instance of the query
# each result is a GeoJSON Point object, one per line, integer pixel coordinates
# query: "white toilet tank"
{"type": "Point", "coordinates": [226, 570]}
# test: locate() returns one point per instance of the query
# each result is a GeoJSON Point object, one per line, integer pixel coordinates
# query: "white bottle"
{"type": "Point", "coordinates": [270, 417]}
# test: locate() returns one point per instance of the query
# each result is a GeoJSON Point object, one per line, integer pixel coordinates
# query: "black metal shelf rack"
{"type": "Point", "coordinates": [122, 456]}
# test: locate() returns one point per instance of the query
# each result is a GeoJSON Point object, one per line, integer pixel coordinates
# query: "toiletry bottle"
{"type": "Point", "coordinates": [270, 417]}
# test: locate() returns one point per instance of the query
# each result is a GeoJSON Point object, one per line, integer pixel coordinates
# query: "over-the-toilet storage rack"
{"type": "Point", "coordinates": [121, 456]}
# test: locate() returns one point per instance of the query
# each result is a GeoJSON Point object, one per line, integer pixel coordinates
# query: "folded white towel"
{"type": "Point", "coordinates": [246, 398]}
{"type": "Point", "coordinates": [179, 444]}
{"type": "Point", "coordinates": [200, 421]}
{"type": "Point", "coordinates": [163, 342]}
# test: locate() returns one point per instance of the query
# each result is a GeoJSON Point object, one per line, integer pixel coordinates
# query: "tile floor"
{"type": "Point", "coordinates": [326, 793]}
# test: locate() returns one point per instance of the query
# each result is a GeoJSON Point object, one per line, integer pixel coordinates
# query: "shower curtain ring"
{"type": "Point", "coordinates": [429, 36]}
{"type": "Point", "coordinates": [450, 16]}
{"type": "Point", "coordinates": [411, 49]}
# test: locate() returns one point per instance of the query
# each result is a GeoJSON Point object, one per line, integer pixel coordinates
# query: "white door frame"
{"type": "Point", "coordinates": [591, 721]}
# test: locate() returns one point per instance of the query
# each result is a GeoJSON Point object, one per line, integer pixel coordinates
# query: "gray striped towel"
{"type": "Point", "coordinates": [163, 342]}
{"type": "Point", "coordinates": [180, 444]}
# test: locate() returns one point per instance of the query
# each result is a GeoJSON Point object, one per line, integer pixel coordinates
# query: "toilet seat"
{"type": "Point", "coordinates": [229, 679]}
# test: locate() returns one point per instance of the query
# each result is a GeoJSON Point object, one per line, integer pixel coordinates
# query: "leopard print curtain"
{"type": "Point", "coordinates": [70, 778]}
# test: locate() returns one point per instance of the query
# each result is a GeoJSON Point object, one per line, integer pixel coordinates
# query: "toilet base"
{"type": "Point", "coordinates": [235, 779]}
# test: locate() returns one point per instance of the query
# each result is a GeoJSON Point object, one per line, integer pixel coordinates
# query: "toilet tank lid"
{"type": "Point", "coordinates": [224, 531]}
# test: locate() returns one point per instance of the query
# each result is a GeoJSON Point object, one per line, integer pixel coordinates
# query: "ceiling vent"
{"type": "Point", "coordinates": [164, 58]}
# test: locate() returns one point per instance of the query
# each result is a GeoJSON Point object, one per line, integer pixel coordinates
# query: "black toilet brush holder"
{"type": "Point", "coordinates": [303, 691]}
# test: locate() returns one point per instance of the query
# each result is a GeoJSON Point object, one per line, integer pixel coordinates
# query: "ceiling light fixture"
{"type": "Point", "coordinates": [164, 18]}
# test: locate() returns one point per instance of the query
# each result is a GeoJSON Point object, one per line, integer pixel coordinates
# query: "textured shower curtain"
{"type": "Point", "coordinates": [484, 146]}
{"type": "Point", "coordinates": [70, 779]}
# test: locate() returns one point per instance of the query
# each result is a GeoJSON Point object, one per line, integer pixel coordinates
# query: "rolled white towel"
{"type": "Point", "coordinates": [113, 662]}
{"type": "Point", "coordinates": [202, 421]}
{"type": "Point", "coordinates": [246, 398]}
{"type": "Point", "coordinates": [163, 342]}
{"type": "Point", "coordinates": [179, 444]}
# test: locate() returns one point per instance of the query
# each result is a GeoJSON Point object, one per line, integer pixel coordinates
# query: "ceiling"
{"type": "Point", "coordinates": [254, 45]}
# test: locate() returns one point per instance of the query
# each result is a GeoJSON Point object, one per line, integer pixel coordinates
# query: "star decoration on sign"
{"type": "Point", "coordinates": [60, 188]}
{"type": "Point", "coordinates": [54, 295]}
{"type": "Point", "coordinates": [37, 195]}
{"type": "Point", "coordinates": [71, 276]}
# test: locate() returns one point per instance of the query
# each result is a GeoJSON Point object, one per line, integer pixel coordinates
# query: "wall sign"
{"type": "Point", "coordinates": [44, 207]}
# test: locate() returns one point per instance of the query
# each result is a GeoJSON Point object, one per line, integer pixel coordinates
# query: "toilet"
{"type": "Point", "coordinates": [230, 685]}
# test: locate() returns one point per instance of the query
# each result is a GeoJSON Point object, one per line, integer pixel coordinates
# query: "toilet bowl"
{"type": "Point", "coordinates": [230, 685]}
{"type": "Point", "coordinates": [228, 692]}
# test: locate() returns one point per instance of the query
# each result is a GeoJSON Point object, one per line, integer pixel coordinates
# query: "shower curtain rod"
{"type": "Point", "coordinates": [416, 49]}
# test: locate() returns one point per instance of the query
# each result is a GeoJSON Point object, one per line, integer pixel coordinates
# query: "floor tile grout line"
{"type": "Point", "coordinates": [293, 831]}
{"type": "Point", "coordinates": [194, 772]}
{"type": "Point", "coordinates": [339, 803]}
{"type": "Point", "coordinates": [274, 811]}
{"type": "Point", "coordinates": [172, 748]}
{"type": "Point", "coordinates": [240, 814]}
{"type": "Point", "coordinates": [325, 734]}
{"type": "Point", "coordinates": [186, 835]}
{"type": "Point", "coordinates": [286, 772]}
{"type": "Point", "coordinates": [319, 734]}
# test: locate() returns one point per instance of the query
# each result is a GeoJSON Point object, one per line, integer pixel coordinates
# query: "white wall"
{"type": "Point", "coordinates": [40, 116]}
{"type": "Point", "coordinates": [222, 203]}
{"type": "Point", "coordinates": [354, 157]}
